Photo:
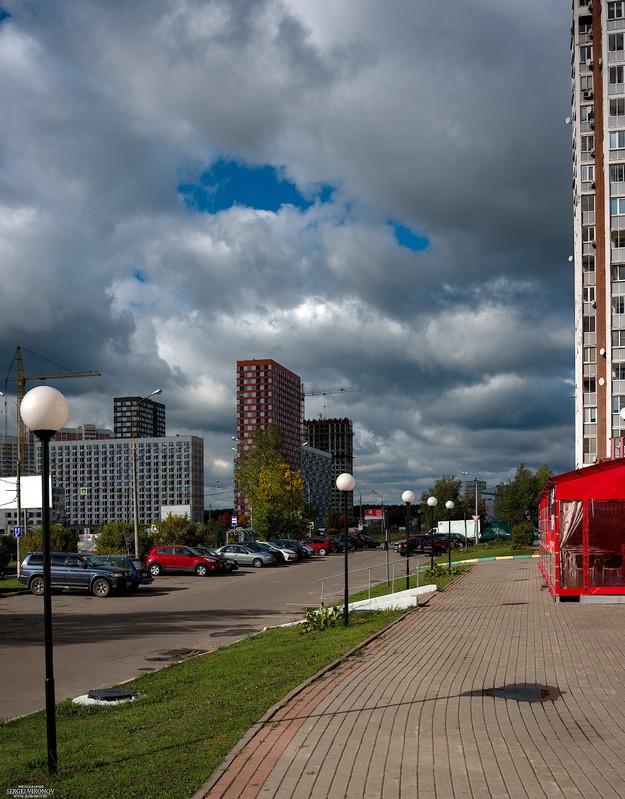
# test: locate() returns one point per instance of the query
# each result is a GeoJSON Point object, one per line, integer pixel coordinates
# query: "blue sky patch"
{"type": "Point", "coordinates": [140, 276]}
{"type": "Point", "coordinates": [3, 14]}
{"type": "Point", "coordinates": [406, 237]}
{"type": "Point", "coordinates": [229, 183]}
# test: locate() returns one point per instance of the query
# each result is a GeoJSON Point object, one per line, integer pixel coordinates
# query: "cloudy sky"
{"type": "Point", "coordinates": [375, 195]}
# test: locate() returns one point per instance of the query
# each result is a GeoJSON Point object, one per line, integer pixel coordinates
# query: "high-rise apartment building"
{"type": "Point", "coordinates": [335, 436]}
{"type": "Point", "coordinates": [149, 418]}
{"type": "Point", "coordinates": [598, 125]}
{"type": "Point", "coordinates": [268, 394]}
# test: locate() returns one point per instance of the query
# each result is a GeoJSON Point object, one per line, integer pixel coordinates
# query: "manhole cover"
{"type": "Point", "coordinates": [524, 692]}
{"type": "Point", "coordinates": [176, 654]}
{"type": "Point", "coordinates": [112, 694]}
{"type": "Point", "coordinates": [230, 633]}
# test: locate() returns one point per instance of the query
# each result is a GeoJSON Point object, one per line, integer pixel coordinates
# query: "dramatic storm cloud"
{"type": "Point", "coordinates": [375, 195]}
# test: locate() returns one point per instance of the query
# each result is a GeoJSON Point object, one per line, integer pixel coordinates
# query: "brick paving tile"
{"type": "Point", "coordinates": [447, 704]}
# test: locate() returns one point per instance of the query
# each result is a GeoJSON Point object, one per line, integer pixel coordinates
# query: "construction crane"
{"type": "Point", "coordinates": [20, 380]}
{"type": "Point", "coordinates": [316, 392]}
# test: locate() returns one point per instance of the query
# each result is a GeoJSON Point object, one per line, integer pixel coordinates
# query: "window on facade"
{"type": "Point", "coordinates": [588, 173]}
{"type": "Point", "coordinates": [588, 324]}
{"type": "Point", "coordinates": [618, 304]}
{"type": "Point", "coordinates": [617, 140]}
{"type": "Point", "coordinates": [586, 112]}
{"type": "Point", "coordinates": [618, 272]}
{"type": "Point", "coordinates": [615, 75]}
{"type": "Point", "coordinates": [589, 293]}
{"type": "Point", "coordinates": [616, 9]}
{"type": "Point", "coordinates": [589, 354]}
{"type": "Point", "coordinates": [618, 371]}
{"type": "Point", "coordinates": [617, 238]}
{"type": "Point", "coordinates": [588, 233]}
{"type": "Point", "coordinates": [590, 446]}
{"type": "Point", "coordinates": [617, 206]}
{"type": "Point", "coordinates": [585, 53]}
{"type": "Point", "coordinates": [617, 107]}
{"type": "Point", "coordinates": [617, 173]}
{"type": "Point", "coordinates": [588, 143]}
{"type": "Point", "coordinates": [588, 263]}
{"type": "Point", "coordinates": [615, 42]}
{"type": "Point", "coordinates": [590, 415]}
{"type": "Point", "coordinates": [618, 339]}
{"type": "Point", "coordinates": [588, 202]}
{"type": "Point", "coordinates": [590, 385]}
{"type": "Point", "coordinates": [585, 83]}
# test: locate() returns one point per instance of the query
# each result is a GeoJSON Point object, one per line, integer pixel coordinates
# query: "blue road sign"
{"type": "Point", "coordinates": [18, 532]}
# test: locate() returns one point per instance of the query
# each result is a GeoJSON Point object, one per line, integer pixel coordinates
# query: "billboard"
{"type": "Point", "coordinates": [30, 493]}
{"type": "Point", "coordinates": [373, 513]}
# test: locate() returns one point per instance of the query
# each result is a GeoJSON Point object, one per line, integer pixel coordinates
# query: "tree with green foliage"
{"type": "Point", "coordinates": [111, 538]}
{"type": "Point", "coordinates": [178, 530]}
{"type": "Point", "coordinates": [273, 492]}
{"type": "Point", "coordinates": [517, 500]}
{"type": "Point", "coordinates": [6, 553]}
{"type": "Point", "coordinates": [62, 539]}
{"type": "Point", "coordinates": [522, 535]}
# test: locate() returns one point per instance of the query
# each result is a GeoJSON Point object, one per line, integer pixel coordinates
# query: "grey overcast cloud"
{"type": "Point", "coordinates": [375, 195]}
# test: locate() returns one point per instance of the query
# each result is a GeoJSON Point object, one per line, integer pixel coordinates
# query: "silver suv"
{"type": "Point", "coordinates": [73, 570]}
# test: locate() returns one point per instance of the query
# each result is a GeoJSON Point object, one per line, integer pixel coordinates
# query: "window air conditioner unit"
{"type": "Point", "coordinates": [592, 153]}
{"type": "Point", "coordinates": [589, 63]}
{"type": "Point", "coordinates": [591, 113]}
{"type": "Point", "coordinates": [591, 122]}
{"type": "Point", "coordinates": [590, 8]}
{"type": "Point", "coordinates": [593, 185]}
{"type": "Point", "coordinates": [600, 62]}
{"type": "Point", "coordinates": [593, 243]}
{"type": "Point", "coordinates": [588, 94]}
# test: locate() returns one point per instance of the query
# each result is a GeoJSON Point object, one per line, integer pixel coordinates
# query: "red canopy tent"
{"type": "Point", "coordinates": [582, 531]}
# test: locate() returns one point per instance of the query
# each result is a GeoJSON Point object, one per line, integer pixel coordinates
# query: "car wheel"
{"type": "Point", "coordinates": [323, 551]}
{"type": "Point", "coordinates": [257, 563]}
{"type": "Point", "coordinates": [201, 570]}
{"type": "Point", "coordinates": [37, 586]}
{"type": "Point", "coordinates": [100, 587]}
{"type": "Point", "coordinates": [154, 569]}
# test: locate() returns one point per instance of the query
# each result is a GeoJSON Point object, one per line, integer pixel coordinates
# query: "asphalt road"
{"type": "Point", "coordinates": [103, 642]}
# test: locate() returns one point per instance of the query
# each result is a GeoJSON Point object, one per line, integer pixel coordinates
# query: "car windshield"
{"type": "Point", "coordinates": [91, 560]}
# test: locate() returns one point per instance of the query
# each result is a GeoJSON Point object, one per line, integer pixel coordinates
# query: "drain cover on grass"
{"type": "Point", "coordinates": [176, 654]}
{"type": "Point", "coordinates": [112, 694]}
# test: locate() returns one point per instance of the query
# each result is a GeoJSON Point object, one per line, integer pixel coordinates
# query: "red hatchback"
{"type": "Point", "coordinates": [179, 559]}
{"type": "Point", "coordinates": [321, 546]}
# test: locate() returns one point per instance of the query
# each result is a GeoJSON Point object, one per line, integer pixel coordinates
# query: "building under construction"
{"type": "Point", "coordinates": [335, 436]}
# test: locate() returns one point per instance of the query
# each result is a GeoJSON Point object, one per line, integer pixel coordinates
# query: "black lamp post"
{"type": "Point", "coordinates": [44, 410]}
{"type": "Point", "coordinates": [407, 497]}
{"type": "Point", "coordinates": [449, 505]}
{"type": "Point", "coordinates": [345, 482]}
{"type": "Point", "coordinates": [432, 502]}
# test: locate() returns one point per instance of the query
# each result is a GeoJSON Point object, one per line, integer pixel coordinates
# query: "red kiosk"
{"type": "Point", "coordinates": [582, 531]}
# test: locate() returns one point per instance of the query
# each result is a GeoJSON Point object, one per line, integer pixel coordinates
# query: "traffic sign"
{"type": "Point", "coordinates": [234, 521]}
{"type": "Point", "coordinates": [18, 532]}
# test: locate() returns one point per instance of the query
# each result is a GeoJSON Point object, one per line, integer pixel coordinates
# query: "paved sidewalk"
{"type": "Point", "coordinates": [491, 690]}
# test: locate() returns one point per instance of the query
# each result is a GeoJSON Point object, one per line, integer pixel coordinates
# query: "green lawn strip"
{"type": "Point", "coordinates": [193, 713]}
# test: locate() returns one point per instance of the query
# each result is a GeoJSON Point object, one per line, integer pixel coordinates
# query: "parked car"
{"type": "Point", "coordinates": [138, 570]}
{"type": "Point", "coordinates": [73, 570]}
{"type": "Point", "coordinates": [287, 555]}
{"type": "Point", "coordinates": [180, 559]}
{"type": "Point", "coordinates": [308, 551]}
{"type": "Point", "coordinates": [421, 544]}
{"type": "Point", "coordinates": [321, 546]}
{"type": "Point", "coordinates": [367, 541]}
{"type": "Point", "coordinates": [291, 543]}
{"type": "Point", "coordinates": [225, 564]}
{"type": "Point", "coordinates": [355, 542]}
{"type": "Point", "coordinates": [336, 544]}
{"type": "Point", "coordinates": [457, 541]}
{"type": "Point", "coordinates": [244, 555]}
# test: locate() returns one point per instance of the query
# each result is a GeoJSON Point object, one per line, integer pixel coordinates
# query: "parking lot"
{"type": "Point", "coordinates": [104, 641]}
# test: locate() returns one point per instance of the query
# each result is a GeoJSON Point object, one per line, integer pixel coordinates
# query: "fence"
{"type": "Point", "coordinates": [376, 575]}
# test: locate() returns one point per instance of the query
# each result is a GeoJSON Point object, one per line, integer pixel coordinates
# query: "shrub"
{"type": "Point", "coordinates": [522, 535]}
{"type": "Point", "coordinates": [320, 619]}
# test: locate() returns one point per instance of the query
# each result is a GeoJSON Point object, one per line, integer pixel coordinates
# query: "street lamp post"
{"type": "Point", "coordinates": [476, 523]}
{"type": "Point", "coordinates": [407, 497]}
{"type": "Point", "coordinates": [44, 410]}
{"type": "Point", "coordinates": [449, 505]}
{"type": "Point", "coordinates": [135, 504]}
{"type": "Point", "coordinates": [432, 502]}
{"type": "Point", "coordinates": [345, 482]}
